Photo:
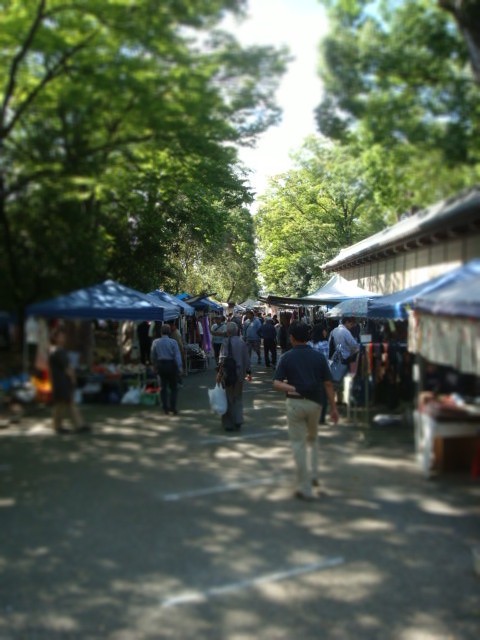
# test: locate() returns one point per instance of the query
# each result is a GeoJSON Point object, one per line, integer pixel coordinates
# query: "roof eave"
{"type": "Point", "coordinates": [461, 220]}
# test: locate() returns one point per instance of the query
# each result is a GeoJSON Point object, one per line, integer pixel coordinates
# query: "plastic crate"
{"type": "Point", "coordinates": [149, 399]}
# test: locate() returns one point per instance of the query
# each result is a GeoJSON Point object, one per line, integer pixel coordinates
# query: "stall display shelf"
{"type": "Point", "coordinates": [428, 427]}
{"type": "Point", "coordinates": [97, 387]}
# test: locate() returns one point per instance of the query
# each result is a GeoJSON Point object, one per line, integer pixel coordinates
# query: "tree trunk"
{"type": "Point", "coordinates": [467, 16]}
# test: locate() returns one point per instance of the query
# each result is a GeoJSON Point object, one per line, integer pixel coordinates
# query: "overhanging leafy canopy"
{"type": "Point", "coordinates": [118, 127]}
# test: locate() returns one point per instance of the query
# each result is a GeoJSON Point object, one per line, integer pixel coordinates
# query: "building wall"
{"type": "Point", "coordinates": [414, 266]}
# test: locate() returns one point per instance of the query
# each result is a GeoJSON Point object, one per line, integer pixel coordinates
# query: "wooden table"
{"type": "Point", "coordinates": [428, 427]}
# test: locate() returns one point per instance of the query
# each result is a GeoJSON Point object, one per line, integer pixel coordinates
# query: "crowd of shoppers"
{"type": "Point", "coordinates": [301, 372]}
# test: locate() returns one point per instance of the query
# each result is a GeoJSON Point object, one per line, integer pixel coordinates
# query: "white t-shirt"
{"type": "Point", "coordinates": [31, 330]}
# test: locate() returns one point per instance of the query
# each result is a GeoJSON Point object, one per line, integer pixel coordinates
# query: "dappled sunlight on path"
{"type": "Point", "coordinates": [161, 526]}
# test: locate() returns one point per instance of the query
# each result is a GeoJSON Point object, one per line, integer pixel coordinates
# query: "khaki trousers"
{"type": "Point", "coordinates": [302, 419]}
{"type": "Point", "coordinates": [62, 410]}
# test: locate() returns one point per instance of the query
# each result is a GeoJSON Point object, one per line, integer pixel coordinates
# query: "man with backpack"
{"type": "Point", "coordinates": [234, 367]}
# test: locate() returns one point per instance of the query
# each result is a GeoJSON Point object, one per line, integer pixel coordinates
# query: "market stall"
{"type": "Point", "coordinates": [182, 306]}
{"type": "Point", "coordinates": [198, 341]}
{"type": "Point", "coordinates": [315, 304]}
{"type": "Point", "coordinates": [186, 315]}
{"type": "Point", "coordinates": [109, 300]}
{"type": "Point", "coordinates": [382, 374]}
{"type": "Point", "coordinates": [102, 379]}
{"type": "Point", "coordinates": [384, 370]}
{"type": "Point", "coordinates": [444, 330]}
{"type": "Point", "coordinates": [336, 290]}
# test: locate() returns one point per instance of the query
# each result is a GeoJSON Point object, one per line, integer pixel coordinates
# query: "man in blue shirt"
{"type": "Point", "coordinates": [219, 334]}
{"type": "Point", "coordinates": [252, 337]}
{"type": "Point", "coordinates": [304, 375]}
{"type": "Point", "coordinates": [167, 361]}
{"type": "Point", "coordinates": [342, 337]}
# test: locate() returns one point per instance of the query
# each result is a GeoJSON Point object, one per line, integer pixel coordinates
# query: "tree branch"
{"type": "Point", "coordinates": [16, 63]}
{"type": "Point", "coordinates": [467, 16]}
{"type": "Point", "coordinates": [19, 184]}
{"type": "Point", "coordinates": [110, 146]}
{"type": "Point", "coordinates": [50, 75]}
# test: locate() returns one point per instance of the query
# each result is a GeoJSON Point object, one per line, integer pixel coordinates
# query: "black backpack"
{"type": "Point", "coordinates": [229, 368]}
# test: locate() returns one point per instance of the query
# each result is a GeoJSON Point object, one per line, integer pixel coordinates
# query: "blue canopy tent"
{"type": "Point", "coordinates": [445, 327]}
{"type": "Point", "coordinates": [181, 305]}
{"type": "Point", "coordinates": [216, 306]}
{"type": "Point", "coordinates": [457, 296]}
{"type": "Point", "coordinates": [109, 300]}
{"type": "Point", "coordinates": [206, 304]}
{"type": "Point", "coordinates": [395, 305]}
{"type": "Point", "coordinates": [355, 307]}
{"type": "Point", "coordinates": [201, 303]}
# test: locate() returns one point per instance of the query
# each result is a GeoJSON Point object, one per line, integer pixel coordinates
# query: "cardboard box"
{"type": "Point", "coordinates": [455, 454]}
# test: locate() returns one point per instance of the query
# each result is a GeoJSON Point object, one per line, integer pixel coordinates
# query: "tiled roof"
{"type": "Point", "coordinates": [453, 215]}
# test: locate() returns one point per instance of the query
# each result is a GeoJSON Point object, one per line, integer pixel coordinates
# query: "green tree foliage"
{"type": "Point", "coordinates": [308, 214]}
{"type": "Point", "coordinates": [400, 119]}
{"type": "Point", "coordinates": [227, 266]}
{"type": "Point", "coordinates": [400, 94]}
{"type": "Point", "coordinates": [467, 16]}
{"type": "Point", "coordinates": [404, 180]}
{"type": "Point", "coordinates": [119, 122]}
{"type": "Point", "coordinates": [396, 74]}
{"type": "Point", "coordinates": [401, 116]}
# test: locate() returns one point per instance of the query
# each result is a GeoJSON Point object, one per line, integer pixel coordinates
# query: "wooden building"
{"type": "Point", "coordinates": [417, 248]}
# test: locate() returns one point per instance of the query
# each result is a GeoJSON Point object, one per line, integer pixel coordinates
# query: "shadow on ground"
{"type": "Point", "coordinates": [165, 527]}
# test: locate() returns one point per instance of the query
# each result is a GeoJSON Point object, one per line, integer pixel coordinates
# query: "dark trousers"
{"type": "Point", "coordinates": [167, 370]}
{"type": "Point", "coordinates": [145, 346]}
{"type": "Point", "coordinates": [270, 351]}
{"type": "Point", "coordinates": [233, 419]}
{"type": "Point", "coordinates": [254, 345]}
{"type": "Point", "coordinates": [216, 350]}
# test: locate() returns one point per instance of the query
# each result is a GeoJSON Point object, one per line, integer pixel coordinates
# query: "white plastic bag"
{"type": "Point", "coordinates": [218, 399]}
{"type": "Point", "coordinates": [132, 396]}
